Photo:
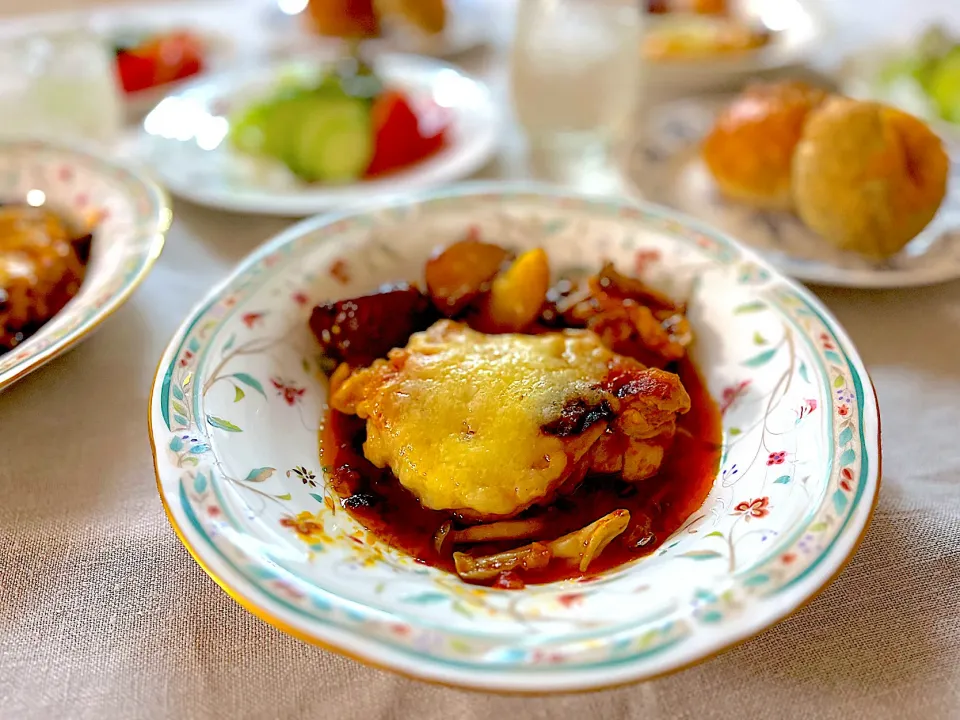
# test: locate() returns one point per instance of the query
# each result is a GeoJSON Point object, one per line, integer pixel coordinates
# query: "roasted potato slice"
{"type": "Point", "coordinates": [460, 273]}
{"type": "Point", "coordinates": [516, 295]}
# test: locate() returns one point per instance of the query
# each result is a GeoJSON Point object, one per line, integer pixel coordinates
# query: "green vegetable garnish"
{"type": "Point", "coordinates": [931, 70]}
{"type": "Point", "coordinates": [321, 131]}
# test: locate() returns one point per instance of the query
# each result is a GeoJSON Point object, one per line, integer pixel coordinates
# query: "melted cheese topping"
{"type": "Point", "coordinates": [457, 414]}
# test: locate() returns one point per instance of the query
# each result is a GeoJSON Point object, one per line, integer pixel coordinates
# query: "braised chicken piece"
{"type": "Point", "coordinates": [41, 268]}
{"type": "Point", "coordinates": [486, 426]}
{"type": "Point", "coordinates": [508, 441]}
{"type": "Point", "coordinates": [630, 318]}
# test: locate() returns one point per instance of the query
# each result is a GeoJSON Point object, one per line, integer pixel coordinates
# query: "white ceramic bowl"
{"type": "Point", "coordinates": [128, 239]}
{"type": "Point", "coordinates": [237, 402]}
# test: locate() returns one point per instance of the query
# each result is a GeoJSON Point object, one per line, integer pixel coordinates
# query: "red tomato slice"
{"type": "Point", "coordinates": [401, 137]}
{"type": "Point", "coordinates": [396, 132]}
{"type": "Point", "coordinates": [136, 72]}
{"type": "Point", "coordinates": [178, 55]}
{"type": "Point", "coordinates": [160, 60]}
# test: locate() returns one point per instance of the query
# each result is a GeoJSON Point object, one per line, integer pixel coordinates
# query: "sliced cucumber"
{"type": "Point", "coordinates": [319, 131]}
{"type": "Point", "coordinates": [283, 122]}
{"type": "Point", "coordinates": [247, 131]}
{"type": "Point", "coordinates": [335, 141]}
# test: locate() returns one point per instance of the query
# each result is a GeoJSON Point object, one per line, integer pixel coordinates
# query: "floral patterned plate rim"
{"type": "Point", "coordinates": [666, 168]}
{"type": "Point", "coordinates": [235, 411]}
{"type": "Point", "coordinates": [185, 138]}
{"type": "Point", "coordinates": [134, 215]}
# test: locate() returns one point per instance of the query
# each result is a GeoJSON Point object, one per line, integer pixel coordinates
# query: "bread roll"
{"type": "Point", "coordinates": [750, 149]}
{"type": "Point", "coordinates": [867, 177]}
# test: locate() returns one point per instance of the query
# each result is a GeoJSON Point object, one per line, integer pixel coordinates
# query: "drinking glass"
{"type": "Point", "coordinates": [59, 85]}
{"type": "Point", "coordinates": [575, 78]}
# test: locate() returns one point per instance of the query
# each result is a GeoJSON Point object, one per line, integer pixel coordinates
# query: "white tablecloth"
{"type": "Point", "coordinates": [103, 614]}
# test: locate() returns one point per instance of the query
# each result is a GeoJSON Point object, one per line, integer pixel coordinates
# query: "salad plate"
{"type": "Point", "coordinates": [186, 138]}
{"type": "Point", "coordinates": [237, 406]}
{"type": "Point", "coordinates": [666, 167]}
{"type": "Point", "coordinates": [132, 215]}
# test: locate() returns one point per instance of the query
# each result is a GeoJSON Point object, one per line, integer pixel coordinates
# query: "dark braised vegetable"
{"type": "Point", "coordinates": [361, 329]}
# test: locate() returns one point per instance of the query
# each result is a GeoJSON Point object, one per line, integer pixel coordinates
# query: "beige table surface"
{"type": "Point", "coordinates": [103, 614]}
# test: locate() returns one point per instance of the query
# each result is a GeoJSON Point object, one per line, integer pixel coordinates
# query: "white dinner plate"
{"type": "Point", "coordinates": [666, 167]}
{"type": "Point", "coordinates": [184, 139]}
{"type": "Point", "coordinates": [238, 400]}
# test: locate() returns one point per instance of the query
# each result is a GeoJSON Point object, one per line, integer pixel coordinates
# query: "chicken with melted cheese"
{"type": "Point", "coordinates": [487, 426]}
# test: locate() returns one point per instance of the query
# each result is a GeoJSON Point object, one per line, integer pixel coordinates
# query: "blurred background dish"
{"type": "Point", "coordinates": [699, 44]}
{"type": "Point", "coordinates": [438, 28]}
{"type": "Point", "coordinates": [152, 62]}
{"type": "Point", "coordinates": [50, 309]}
{"type": "Point", "coordinates": [187, 139]}
{"type": "Point", "coordinates": [669, 167]}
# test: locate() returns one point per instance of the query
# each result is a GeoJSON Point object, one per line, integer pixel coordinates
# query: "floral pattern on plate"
{"type": "Point", "coordinates": [237, 404]}
{"type": "Point", "coordinates": [133, 216]}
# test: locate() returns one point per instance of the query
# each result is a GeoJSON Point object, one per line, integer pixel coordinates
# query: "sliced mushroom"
{"type": "Point", "coordinates": [528, 557]}
{"type": "Point", "coordinates": [503, 530]}
{"type": "Point", "coordinates": [582, 547]}
{"type": "Point", "coordinates": [586, 544]}
{"type": "Point", "coordinates": [441, 535]}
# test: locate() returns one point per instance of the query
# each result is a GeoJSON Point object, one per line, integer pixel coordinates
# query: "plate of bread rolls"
{"type": "Point", "coordinates": [835, 191]}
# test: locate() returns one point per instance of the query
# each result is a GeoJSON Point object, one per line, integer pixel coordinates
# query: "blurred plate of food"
{"type": "Point", "coordinates": [155, 48]}
{"type": "Point", "coordinates": [699, 42]}
{"type": "Point", "coordinates": [438, 28]}
{"type": "Point", "coordinates": [921, 77]}
{"type": "Point", "coordinates": [77, 235]}
{"type": "Point", "coordinates": [304, 136]}
{"type": "Point", "coordinates": [831, 189]}
{"type": "Point", "coordinates": [152, 62]}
